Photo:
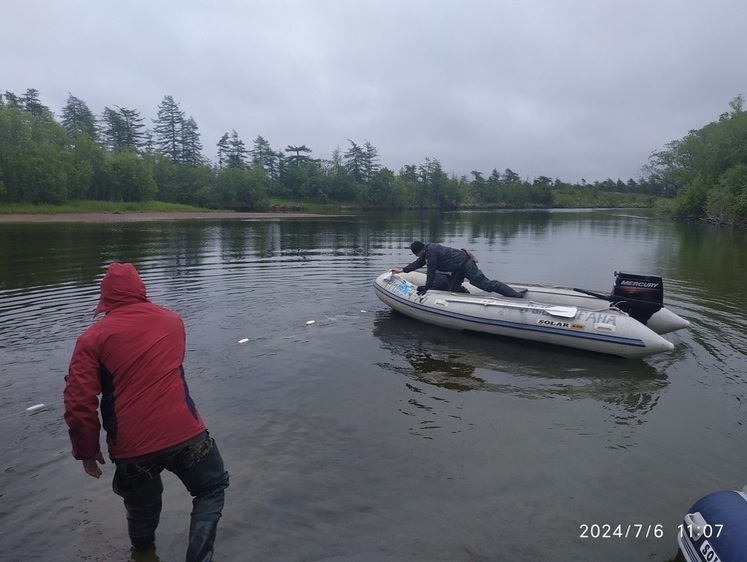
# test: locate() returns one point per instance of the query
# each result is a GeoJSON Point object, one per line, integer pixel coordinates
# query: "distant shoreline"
{"type": "Point", "coordinates": [144, 217]}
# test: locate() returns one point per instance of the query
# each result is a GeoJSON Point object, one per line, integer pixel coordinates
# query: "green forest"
{"type": "Point", "coordinates": [116, 157]}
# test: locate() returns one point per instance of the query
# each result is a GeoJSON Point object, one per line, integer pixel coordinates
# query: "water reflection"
{"type": "Point", "coordinates": [45, 254]}
{"type": "Point", "coordinates": [461, 362]}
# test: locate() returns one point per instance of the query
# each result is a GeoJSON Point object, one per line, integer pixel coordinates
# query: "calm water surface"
{"type": "Point", "coordinates": [368, 436]}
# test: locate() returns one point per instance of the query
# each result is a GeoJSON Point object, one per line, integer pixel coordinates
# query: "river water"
{"type": "Point", "coordinates": [368, 436]}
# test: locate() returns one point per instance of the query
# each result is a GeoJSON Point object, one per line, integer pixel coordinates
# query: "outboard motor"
{"type": "Point", "coordinates": [641, 296]}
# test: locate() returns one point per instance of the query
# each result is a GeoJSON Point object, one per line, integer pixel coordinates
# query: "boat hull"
{"type": "Point", "coordinates": [582, 323]}
{"type": "Point", "coordinates": [715, 528]}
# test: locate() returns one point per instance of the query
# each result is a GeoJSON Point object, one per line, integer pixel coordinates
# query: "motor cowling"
{"type": "Point", "coordinates": [641, 296]}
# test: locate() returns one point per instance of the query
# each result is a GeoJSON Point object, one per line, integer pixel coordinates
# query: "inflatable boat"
{"type": "Point", "coordinates": [715, 529]}
{"type": "Point", "coordinates": [628, 322]}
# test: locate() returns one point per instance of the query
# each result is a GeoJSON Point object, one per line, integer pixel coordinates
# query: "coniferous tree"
{"type": "Point", "coordinates": [121, 129]}
{"type": "Point", "coordinates": [274, 166]}
{"type": "Point", "coordinates": [149, 143]}
{"type": "Point", "coordinates": [77, 118]}
{"type": "Point", "coordinates": [237, 152]}
{"type": "Point", "coordinates": [223, 148]}
{"type": "Point", "coordinates": [169, 129]}
{"type": "Point", "coordinates": [134, 137]}
{"type": "Point", "coordinates": [111, 130]}
{"type": "Point", "coordinates": [297, 159]}
{"type": "Point", "coordinates": [262, 152]}
{"type": "Point", "coordinates": [264, 155]}
{"type": "Point", "coordinates": [12, 100]}
{"type": "Point", "coordinates": [370, 161]}
{"type": "Point", "coordinates": [191, 146]}
{"type": "Point", "coordinates": [354, 159]}
{"type": "Point", "coordinates": [31, 103]}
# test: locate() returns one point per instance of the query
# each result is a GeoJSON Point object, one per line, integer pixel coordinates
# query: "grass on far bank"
{"type": "Point", "coordinates": [98, 207]}
{"type": "Point", "coordinates": [563, 199]}
{"type": "Point", "coordinates": [275, 205]}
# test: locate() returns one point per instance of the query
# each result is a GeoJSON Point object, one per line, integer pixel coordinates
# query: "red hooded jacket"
{"type": "Point", "coordinates": [132, 357]}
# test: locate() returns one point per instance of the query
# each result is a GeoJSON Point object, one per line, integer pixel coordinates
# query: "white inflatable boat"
{"type": "Point", "coordinates": [627, 322]}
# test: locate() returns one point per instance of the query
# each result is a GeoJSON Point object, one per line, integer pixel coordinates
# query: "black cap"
{"type": "Point", "coordinates": [417, 247]}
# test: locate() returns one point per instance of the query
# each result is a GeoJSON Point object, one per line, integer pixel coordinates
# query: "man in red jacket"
{"type": "Point", "coordinates": [133, 358]}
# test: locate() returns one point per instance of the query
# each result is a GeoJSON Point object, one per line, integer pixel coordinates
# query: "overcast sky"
{"type": "Point", "coordinates": [570, 89]}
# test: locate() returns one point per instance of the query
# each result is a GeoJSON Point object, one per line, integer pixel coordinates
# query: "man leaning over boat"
{"type": "Point", "coordinates": [458, 264]}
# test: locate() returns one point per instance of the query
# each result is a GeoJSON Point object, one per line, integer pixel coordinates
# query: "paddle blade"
{"type": "Point", "coordinates": [564, 311]}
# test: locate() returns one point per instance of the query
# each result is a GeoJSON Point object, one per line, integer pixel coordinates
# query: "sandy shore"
{"type": "Point", "coordinates": [142, 217]}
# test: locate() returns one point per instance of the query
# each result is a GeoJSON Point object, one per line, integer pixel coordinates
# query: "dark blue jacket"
{"type": "Point", "coordinates": [439, 258]}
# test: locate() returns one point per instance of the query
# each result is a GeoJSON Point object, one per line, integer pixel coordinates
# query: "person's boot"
{"type": "Point", "coordinates": [201, 541]}
{"type": "Point", "coordinates": [144, 554]}
{"type": "Point", "coordinates": [503, 289]}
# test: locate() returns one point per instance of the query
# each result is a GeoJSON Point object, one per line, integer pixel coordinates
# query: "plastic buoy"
{"type": "Point", "coordinates": [311, 322]}
{"type": "Point", "coordinates": [35, 407]}
{"type": "Point", "coordinates": [243, 340]}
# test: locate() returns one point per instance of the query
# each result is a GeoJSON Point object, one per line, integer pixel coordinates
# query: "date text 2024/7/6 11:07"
{"type": "Point", "coordinates": [644, 531]}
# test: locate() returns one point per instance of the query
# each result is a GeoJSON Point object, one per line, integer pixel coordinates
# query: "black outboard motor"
{"type": "Point", "coordinates": [641, 296]}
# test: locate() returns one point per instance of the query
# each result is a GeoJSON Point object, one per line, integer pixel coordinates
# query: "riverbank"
{"type": "Point", "coordinates": [146, 216]}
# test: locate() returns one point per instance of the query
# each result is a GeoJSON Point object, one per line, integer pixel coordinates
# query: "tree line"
{"type": "Point", "coordinates": [705, 172]}
{"type": "Point", "coordinates": [115, 156]}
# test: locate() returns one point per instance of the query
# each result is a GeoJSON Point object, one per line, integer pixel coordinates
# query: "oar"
{"type": "Point", "coordinates": [564, 311]}
{"type": "Point", "coordinates": [593, 294]}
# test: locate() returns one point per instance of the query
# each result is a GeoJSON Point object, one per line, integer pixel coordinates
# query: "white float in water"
{"type": "Point", "coordinates": [35, 407]}
{"type": "Point", "coordinates": [243, 340]}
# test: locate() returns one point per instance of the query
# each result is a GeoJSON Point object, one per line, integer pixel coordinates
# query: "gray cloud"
{"type": "Point", "coordinates": [582, 89]}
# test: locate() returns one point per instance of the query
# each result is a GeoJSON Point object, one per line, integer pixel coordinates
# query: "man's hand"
{"type": "Point", "coordinates": [91, 466]}
{"type": "Point", "coordinates": [422, 290]}
{"type": "Point", "coordinates": [397, 270]}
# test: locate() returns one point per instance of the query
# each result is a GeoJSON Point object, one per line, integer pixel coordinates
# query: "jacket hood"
{"type": "Point", "coordinates": [121, 285]}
